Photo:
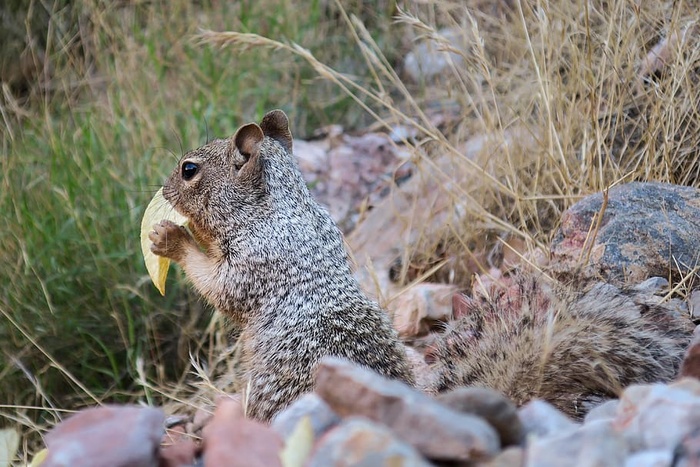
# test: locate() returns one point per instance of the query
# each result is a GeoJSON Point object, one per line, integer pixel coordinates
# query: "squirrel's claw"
{"type": "Point", "coordinates": [169, 240]}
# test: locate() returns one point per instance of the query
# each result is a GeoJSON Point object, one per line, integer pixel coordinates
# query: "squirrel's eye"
{"type": "Point", "coordinates": [189, 169]}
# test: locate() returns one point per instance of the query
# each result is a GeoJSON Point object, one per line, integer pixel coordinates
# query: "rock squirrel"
{"type": "Point", "coordinates": [265, 254]}
{"type": "Point", "coordinates": [569, 348]}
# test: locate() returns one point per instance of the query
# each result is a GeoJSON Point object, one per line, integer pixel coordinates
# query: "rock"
{"type": "Point", "coordinates": [345, 173]}
{"type": "Point", "coordinates": [434, 429]}
{"type": "Point", "coordinates": [310, 405]}
{"type": "Point", "coordinates": [512, 456]}
{"type": "Point", "coordinates": [653, 285]}
{"type": "Point", "coordinates": [694, 304]}
{"type": "Point", "coordinates": [490, 405]}
{"type": "Point", "coordinates": [688, 453]}
{"type": "Point", "coordinates": [179, 454]}
{"type": "Point", "coordinates": [360, 442]}
{"type": "Point", "coordinates": [606, 410]}
{"type": "Point", "coordinates": [232, 440]}
{"type": "Point", "coordinates": [429, 59]}
{"type": "Point", "coordinates": [107, 436]}
{"type": "Point", "coordinates": [691, 385]}
{"type": "Point", "coordinates": [647, 229]}
{"type": "Point", "coordinates": [691, 360]}
{"type": "Point", "coordinates": [657, 458]}
{"type": "Point", "coordinates": [542, 419]}
{"type": "Point", "coordinates": [416, 310]}
{"type": "Point", "coordinates": [657, 416]}
{"type": "Point", "coordinates": [594, 444]}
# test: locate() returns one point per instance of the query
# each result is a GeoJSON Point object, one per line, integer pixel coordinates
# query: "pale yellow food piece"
{"type": "Point", "coordinates": [298, 446]}
{"type": "Point", "coordinates": [39, 458]}
{"type": "Point", "coordinates": [157, 210]}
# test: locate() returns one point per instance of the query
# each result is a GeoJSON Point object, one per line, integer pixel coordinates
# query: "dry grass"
{"type": "Point", "coordinates": [566, 96]}
{"type": "Point", "coordinates": [573, 98]}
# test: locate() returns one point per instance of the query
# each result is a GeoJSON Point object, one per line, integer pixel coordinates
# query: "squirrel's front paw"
{"type": "Point", "coordinates": [170, 240]}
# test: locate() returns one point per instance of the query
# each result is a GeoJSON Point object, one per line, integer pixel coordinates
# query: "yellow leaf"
{"type": "Point", "coordinates": [9, 442]}
{"type": "Point", "coordinates": [298, 445]}
{"type": "Point", "coordinates": [157, 210]}
{"type": "Point", "coordinates": [39, 458]}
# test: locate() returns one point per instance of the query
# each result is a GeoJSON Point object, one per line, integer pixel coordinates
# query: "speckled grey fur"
{"type": "Point", "coordinates": [274, 262]}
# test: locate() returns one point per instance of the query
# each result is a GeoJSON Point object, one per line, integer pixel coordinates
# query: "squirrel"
{"type": "Point", "coordinates": [264, 253]}
{"type": "Point", "coordinates": [572, 349]}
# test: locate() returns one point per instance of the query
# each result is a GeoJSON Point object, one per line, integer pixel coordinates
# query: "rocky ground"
{"type": "Point", "coordinates": [356, 417]}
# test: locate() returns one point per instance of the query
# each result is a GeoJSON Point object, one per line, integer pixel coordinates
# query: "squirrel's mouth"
{"type": "Point", "coordinates": [171, 196]}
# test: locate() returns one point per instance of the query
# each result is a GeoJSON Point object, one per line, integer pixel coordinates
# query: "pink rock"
{"type": "Point", "coordinates": [431, 427]}
{"type": "Point", "coordinates": [108, 436]}
{"type": "Point", "coordinates": [691, 385]}
{"type": "Point", "coordinates": [179, 454]}
{"type": "Point", "coordinates": [490, 405]}
{"type": "Point", "coordinates": [417, 310]}
{"type": "Point", "coordinates": [657, 416]}
{"type": "Point", "coordinates": [512, 456]}
{"type": "Point", "coordinates": [360, 442]}
{"type": "Point", "coordinates": [594, 444]}
{"type": "Point", "coordinates": [231, 440]}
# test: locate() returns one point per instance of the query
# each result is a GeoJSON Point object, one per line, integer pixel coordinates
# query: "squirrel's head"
{"type": "Point", "coordinates": [228, 175]}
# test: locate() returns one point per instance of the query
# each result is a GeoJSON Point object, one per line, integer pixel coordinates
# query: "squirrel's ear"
{"type": "Point", "coordinates": [275, 124]}
{"type": "Point", "coordinates": [247, 140]}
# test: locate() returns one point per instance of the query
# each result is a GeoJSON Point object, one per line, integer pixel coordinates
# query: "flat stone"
{"type": "Point", "coordinates": [694, 304]}
{"type": "Point", "coordinates": [540, 418]}
{"type": "Point", "coordinates": [359, 442]}
{"type": "Point", "coordinates": [232, 440]}
{"type": "Point", "coordinates": [657, 458]}
{"type": "Point", "coordinates": [606, 410]}
{"type": "Point", "coordinates": [653, 285]}
{"type": "Point", "coordinates": [657, 417]}
{"type": "Point", "coordinates": [692, 385]}
{"type": "Point", "coordinates": [512, 456]}
{"type": "Point", "coordinates": [107, 436]}
{"type": "Point", "coordinates": [689, 451]}
{"type": "Point", "coordinates": [431, 427]}
{"type": "Point", "coordinates": [490, 405]}
{"type": "Point", "coordinates": [593, 444]}
{"type": "Point", "coordinates": [310, 405]}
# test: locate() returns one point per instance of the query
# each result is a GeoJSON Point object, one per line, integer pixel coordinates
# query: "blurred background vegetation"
{"type": "Point", "coordinates": [99, 98]}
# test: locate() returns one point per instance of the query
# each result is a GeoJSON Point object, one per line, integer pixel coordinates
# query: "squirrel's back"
{"type": "Point", "coordinates": [275, 262]}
